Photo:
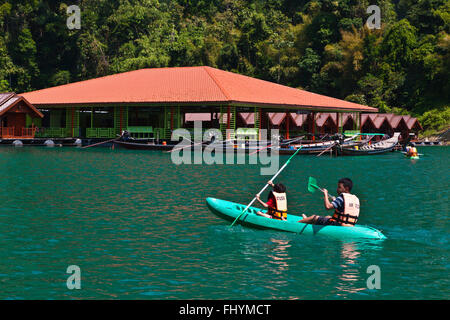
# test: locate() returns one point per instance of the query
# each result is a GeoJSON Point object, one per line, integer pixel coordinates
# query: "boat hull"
{"type": "Point", "coordinates": [355, 152]}
{"type": "Point", "coordinates": [230, 211]}
{"type": "Point", "coordinates": [143, 146]}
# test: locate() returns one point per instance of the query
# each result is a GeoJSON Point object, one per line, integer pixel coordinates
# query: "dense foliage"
{"type": "Point", "coordinates": [321, 46]}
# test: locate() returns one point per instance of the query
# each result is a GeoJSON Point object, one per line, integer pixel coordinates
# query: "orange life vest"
{"type": "Point", "coordinates": [411, 151]}
{"type": "Point", "coordinates": [351, 211]}
{"type": "Point", "coordinates": [280, 212]}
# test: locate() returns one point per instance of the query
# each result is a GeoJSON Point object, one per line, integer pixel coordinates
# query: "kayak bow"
{"type": "Point", "coordinates": [229, 211]}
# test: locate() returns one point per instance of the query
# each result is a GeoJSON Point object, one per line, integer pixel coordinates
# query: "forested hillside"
{"type": "Point", "coordinates": [320, 46]}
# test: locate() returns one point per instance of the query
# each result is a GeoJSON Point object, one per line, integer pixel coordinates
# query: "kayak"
{"type": "Point", "coordinates": [412, 157]}
{"type": "Point", "coordinates": [230, 211]}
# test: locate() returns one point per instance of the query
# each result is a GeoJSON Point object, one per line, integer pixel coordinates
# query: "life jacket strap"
{"type": "Point", "coordinates": [277, 214]}
{"type": "Point", "coordinates": [344, 218]}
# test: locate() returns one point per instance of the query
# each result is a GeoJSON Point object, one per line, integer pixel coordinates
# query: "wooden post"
{"type": "Point", "coordinates": [121, 120]}
{"type": "Point", "coordinates": [260, 124]}
{"type": "Point", "coordinates": [314, 126]}
{"type": "Point", "coordinates": [337, 122]}
{"type": "Point", "coordinates": [359, 125]}
{"type": "Point", "coordinates": [287, 124]}
{"type": "Point", "coordinates": [72, 118]}
{"type": "Point", "coordinates": [171, 118]}
{"type": "Point", "coordinates": [228, 122]}
{"type": "Point", "coordinates": [92, 117]}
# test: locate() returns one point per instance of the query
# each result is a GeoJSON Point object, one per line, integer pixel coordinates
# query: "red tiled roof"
{"type": "Point", "coordinates": [299, 119]}
{"type": "Point", "coordinates": [248, 117]}
{"type": "Point", "coordinates": [322, 118]}
{"type": "Point", "coordinates": [276, 118]}
{"type": "Point", "coordinates": [379, 120]}
{"type": "Point", "coordinates": [395, 121]}
{"type": "Point", "coordinates": [392, 119]}
{"type": "Point", "coordinates": [185, 85]}
{"type": "Point", "coordinates": [413, 122]}
{"type": "Point", "coordinates": [9, 100]}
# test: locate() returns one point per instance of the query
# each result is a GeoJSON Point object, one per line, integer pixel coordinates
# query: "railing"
{"type": "Point", "coordinates": [23, 133]}
{"type": "Point", "coordinates": [7, 132]}
{"type": "Point", "coordinates": [53, 132]}
{"type": "Point", "coordinates": [100, 133]}
{"type": "Point", "coordinates": [28, 132]}
{"type": "Point", "coordinates": [140, 132]}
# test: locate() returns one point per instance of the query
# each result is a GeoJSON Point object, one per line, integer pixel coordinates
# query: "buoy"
{"type": "Point", "coordinates": [17, 143]}
{"type": "Point", "coordinates": [49, 143]}
{"type": "Point", "coordinates": [78, 142]}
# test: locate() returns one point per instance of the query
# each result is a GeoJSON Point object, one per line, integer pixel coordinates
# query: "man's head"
{"type": "Point", "coordinates": [279, 188]}
{"type": "Point", "coordinates": [345, 185]}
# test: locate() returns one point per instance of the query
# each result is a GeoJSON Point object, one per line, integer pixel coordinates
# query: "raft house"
{"type": "Point", "coordinates": [151, 103]}
{"type": "Point", "coordinates": [17, 118]}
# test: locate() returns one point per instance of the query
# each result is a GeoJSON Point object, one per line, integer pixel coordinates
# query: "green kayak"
{"type": "Point", "coordinates": [230, 210]}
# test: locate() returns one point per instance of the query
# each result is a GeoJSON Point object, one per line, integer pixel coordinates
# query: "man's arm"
{"type": "Point", "coordinates": [326, 202]}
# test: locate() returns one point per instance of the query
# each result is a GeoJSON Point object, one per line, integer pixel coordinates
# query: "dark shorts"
{"type": "Point", "coordinates": [324, 221]}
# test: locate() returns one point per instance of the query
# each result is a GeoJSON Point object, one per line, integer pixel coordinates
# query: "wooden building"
{"type": "Point", "coordinates": [17, 117]}
{"type": "Point", "coordinates": [154, 102]}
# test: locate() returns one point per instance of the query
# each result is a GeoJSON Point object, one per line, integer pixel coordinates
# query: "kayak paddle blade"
{"type": "Point", "coordinates": [312, 184]}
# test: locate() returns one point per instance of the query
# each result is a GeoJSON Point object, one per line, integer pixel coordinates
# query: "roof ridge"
{"type": "Point", "coordinates": [217, 82]}
{"type": "Point", "coordinates": [111, 75]}
{"type": "Point", "coordinates": [8, 97]}
{"type": "Point", "coordinates": [18, 98]}
{"type": "Point", "coordinates": [86, 80]}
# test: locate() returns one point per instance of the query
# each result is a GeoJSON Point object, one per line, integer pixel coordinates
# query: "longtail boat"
{"type": "Point", "coordinates": [380, 147]}
{"type": "Point", "coordinates": [144, 145]}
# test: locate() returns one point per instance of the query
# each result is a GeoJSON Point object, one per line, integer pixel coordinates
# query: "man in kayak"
{"type": "Point", "coordinates": [276, 203]}
{"type": "Point", "coordinates": [346, 207]}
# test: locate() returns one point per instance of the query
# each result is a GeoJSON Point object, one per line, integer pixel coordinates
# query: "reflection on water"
{"type": "Point", "coordinates": [138, 227]}
{"type": "Point", "coordinates": [350, 271]}
{"type": "Point", "coordinates": [280, 256]}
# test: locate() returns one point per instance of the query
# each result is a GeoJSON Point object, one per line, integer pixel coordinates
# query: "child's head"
{"type": "Point", "coordinates": [279, 188]}
{"type": "Point", "coordinates": [345, 185]}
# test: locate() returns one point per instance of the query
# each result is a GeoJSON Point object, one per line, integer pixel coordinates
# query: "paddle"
{"type": "Point", "coordinates": [99, 143]}
{"type": "Point", "coordinates": [283, 143]}
{"type": "Point", "coordinates": [312, 186]}
{"type": "Point", "coordinates": [327, 149]}
{"type": "Point", "coordinates": [262, 190]}
{"type": "Point", "coordinates": [268, 146]}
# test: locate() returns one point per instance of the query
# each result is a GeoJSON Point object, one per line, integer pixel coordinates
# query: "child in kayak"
{"type": "Point", "coordinates": [346, 207]}
{"type": "Point", "coordinates": [276, 203]}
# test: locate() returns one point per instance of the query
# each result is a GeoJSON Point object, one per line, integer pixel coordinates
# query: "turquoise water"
{"type": "Point", "coordinates": [138, 228]}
